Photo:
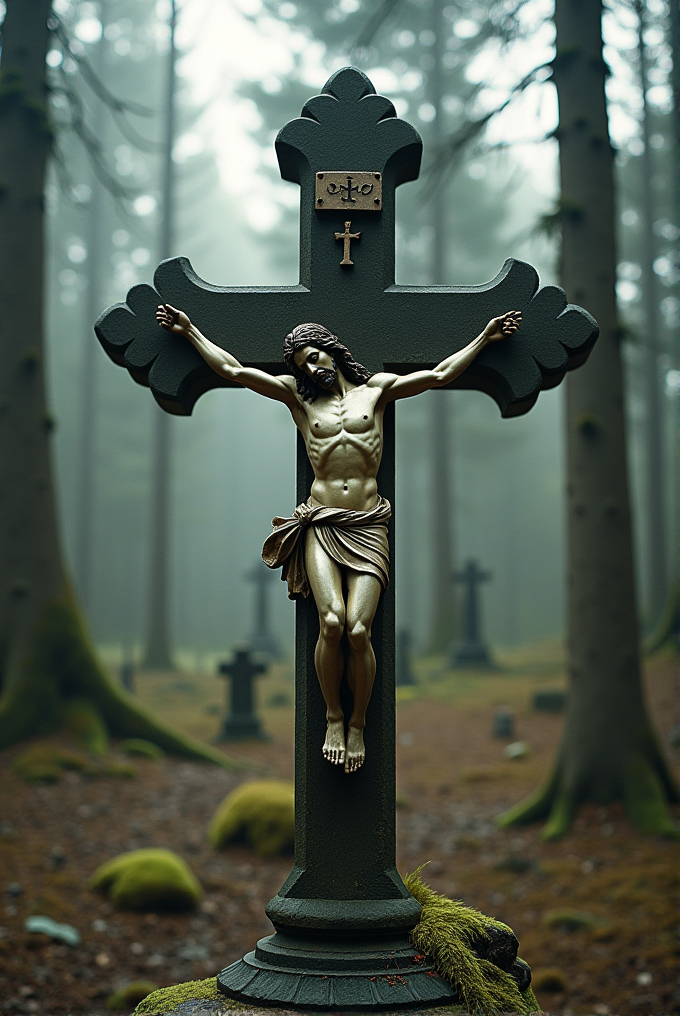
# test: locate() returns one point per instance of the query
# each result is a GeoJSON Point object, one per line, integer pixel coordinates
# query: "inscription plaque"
{"type": "Point", "coordinates": [357, 192]}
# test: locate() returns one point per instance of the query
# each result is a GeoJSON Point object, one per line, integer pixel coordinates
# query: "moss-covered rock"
{"type": "Point", "coordinates": [138, 746]}
{"type": "Point", "coordinates": [451, 933]}
{"type": "Point", "coordinates": [130, 995]}
{"type": "Point", "coordinates": [150, 879]}
{"type": "Point", "coordinates": [262, 812]}
{"type": "Point", "coordinates": [44, 763]}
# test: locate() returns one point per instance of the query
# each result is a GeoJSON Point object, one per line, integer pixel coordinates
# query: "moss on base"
{"type": "Point", "coordinates": [262, 812]}
{"type": "Point", "coordinates": [60, 683]}
{"type": "Point", "coordinates": [166, 999]}
{"type": "Point", "coordinates": [447, 931]}
{"type": "Point", "coordinates": [151, 879]}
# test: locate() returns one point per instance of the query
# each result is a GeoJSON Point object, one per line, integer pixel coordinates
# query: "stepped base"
{"type": "Point", "coordinates": [325, 975]}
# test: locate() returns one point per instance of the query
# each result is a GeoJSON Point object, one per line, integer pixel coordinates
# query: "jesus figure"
{"type": "Point", "coordinates": [335, 544]}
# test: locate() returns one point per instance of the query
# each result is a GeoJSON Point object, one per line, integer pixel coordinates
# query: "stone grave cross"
{"type": "Point", "coordinates": [471, 651]}
{"type": "Point", "coordinates": [241, 721]}
{"type": "Point", "coordinates": [343, 915]}
{"type": "Point", "coordinates": [262, 639]}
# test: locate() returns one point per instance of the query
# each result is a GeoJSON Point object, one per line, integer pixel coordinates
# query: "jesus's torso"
{"type": "Point", "coordinates": [344, 440]}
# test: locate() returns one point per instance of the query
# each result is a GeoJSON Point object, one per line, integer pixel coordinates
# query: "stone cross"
{"type": "Point", "coordinates": [343, 915]}
{"type": "Point", "coordinates": [241, 721]}
{"type": "Point", "coordinates": [404, 674]}
{"type": "Point", "coordinates": [471, 651]}
{"type": "Point", "coordinates": [262, 639]}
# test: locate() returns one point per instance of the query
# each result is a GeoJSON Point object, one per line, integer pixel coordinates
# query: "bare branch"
{"type": "Point", "coordinates": [79, 126]}
{"type": "Point", "coordinates": [373, 25]}
{"type": "Point", "coordinates": [452, 148]}
{"type": "Point", "coordinates": [56, 26]}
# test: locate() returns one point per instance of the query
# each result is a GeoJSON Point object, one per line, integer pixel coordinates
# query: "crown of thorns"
{"type": "Point", "coordinates": [311, 334]}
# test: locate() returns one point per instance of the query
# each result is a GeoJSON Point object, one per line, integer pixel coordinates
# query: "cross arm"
{"type": "Point", "coordinates": [554, 336]}
{"type": "Point", "coordinates": [249, 321]}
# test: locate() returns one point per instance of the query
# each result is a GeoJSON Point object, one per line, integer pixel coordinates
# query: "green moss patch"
{"type": "Point", "coordinates": [150, 879]}
{"type": "Point", "coordinates": [83, 721]}
{"type": "Point", "coordinates": [130, 995]}
{"type": "Point", "coordinates": [570, 919]}
{"type": "Point", "coordinates": [138, 746]}
{"type": "Point", "coordinates": [552, 980]}
{"type": "Point", "coordinates": [262, 813]}
{"type": "Point", "coordinates": [44, 763]}
{"type": "Point", "coordinates": [448, 931]}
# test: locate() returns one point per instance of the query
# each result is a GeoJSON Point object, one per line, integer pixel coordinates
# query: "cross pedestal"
{"type": "Point", "coordinates": [471, 651]}
{"type": "Point", "coordinates": [242, 721]}
{"type": "Point", "coordinates": [262, 640]}
{"type": "Point", "coordinates": [343, 915]}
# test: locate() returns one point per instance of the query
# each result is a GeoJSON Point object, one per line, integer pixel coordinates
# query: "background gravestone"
{"type": "Point", "coordinates": [471, 650]}
{"type": "Point", "coordinates": [241, 721]}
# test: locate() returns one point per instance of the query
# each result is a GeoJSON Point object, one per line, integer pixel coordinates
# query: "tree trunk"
{"type": "Point", "coordinates": [443, 526]}
{"type": "Point", "coordinates": [158, 655]}
{"type": "Point", "coordinates": [609, 750]}
{"type": "Point", "coordinates": [49, 674]}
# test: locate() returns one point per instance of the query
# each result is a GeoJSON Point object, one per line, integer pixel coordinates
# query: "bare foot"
{"type": "Point", "coordinates": [356, 752]}
{"type": "Point", "coordinates": [334, 745]}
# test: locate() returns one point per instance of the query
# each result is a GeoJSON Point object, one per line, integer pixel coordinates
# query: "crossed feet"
{"type": "Point", "coordinates": [352, 754]}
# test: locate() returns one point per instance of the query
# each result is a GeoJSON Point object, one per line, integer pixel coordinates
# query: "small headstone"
{"type": "Point", "coordinates": [404, 675]}
{"type": "Point", "coordinates": [550, 700]}
{"type": "Point", "coordinates": [503, 722]}
{"type": "Point", "coordinates": [127, 676]}
{"type": "Point", "coordinates": [262, 639]}
{"type": "Point", "coordinates": [242, 722]}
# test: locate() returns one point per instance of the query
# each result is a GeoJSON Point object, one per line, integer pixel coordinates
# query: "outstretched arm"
{"type": "Point", "coordinates": [222, 362]}
{"type": "Point", "coordinates": [402, 386]}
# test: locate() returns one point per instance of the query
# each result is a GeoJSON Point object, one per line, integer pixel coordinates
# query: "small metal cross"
{"type": "Point", "coordinates": [347, 237]}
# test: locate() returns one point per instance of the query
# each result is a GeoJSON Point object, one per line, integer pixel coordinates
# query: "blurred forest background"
{"type": "Point", "coordinates": [471, 75]}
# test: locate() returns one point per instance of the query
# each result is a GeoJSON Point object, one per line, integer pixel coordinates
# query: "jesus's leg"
{"type": "Point", "coordinates": [363, 594]}
{"type": "Point", "coordinates": [325, 579]}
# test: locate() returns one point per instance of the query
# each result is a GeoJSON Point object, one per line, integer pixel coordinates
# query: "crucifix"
{"type": "Point", "coordinates": [343, 915]}
{"type": "Point", "coordinates": [347, 238]}
{"type": "Point", "coordinates": [471, 650]}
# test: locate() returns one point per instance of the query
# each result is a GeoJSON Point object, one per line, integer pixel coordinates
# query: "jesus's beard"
{"type": "Point", "coordinates": [326, 377]}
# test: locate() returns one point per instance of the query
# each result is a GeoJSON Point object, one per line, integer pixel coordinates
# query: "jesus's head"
{"type": "Point", "coordinates": [314, 355]}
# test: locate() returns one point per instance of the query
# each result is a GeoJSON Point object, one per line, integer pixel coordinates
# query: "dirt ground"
{"type": "Point", "coordinates": [453, 778]}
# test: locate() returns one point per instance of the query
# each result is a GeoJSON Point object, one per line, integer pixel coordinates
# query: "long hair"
{"type": "Point", "coordinates": [321, 338]}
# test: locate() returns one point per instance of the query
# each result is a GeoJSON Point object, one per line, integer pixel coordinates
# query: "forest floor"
{"type": "Point", "coordinates": [453, 779]}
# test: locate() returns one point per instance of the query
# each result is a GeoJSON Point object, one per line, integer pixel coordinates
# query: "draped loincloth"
{"type": "Point", "coordinates": [356, 540]}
